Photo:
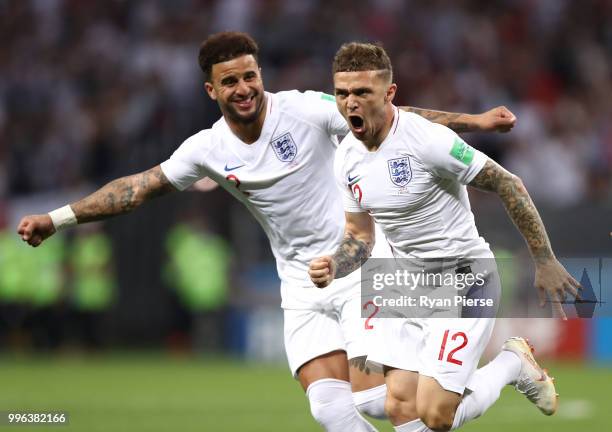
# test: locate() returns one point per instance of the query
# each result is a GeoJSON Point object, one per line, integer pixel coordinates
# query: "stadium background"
{"type": "Point", "coordinates": [112, 324]}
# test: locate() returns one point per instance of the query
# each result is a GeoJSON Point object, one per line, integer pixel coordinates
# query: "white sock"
{"type": "Point", "coordinates": [412, 426]}
{"type": "Point", "coordinates": [486, 385]}
{"type": "Point", "coordinates": [332, 406]}
{"type": "Point", "coordinates": [372, 401]}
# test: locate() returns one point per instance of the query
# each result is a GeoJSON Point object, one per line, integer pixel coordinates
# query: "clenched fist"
{"type": "Point", "coordinates": [33, 229]}
{"type": "Point", "coordinates": [322, 271]}
{"type": "Point", "coordinates": [498, 119]}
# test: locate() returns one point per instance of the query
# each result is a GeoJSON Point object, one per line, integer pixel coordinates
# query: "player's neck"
{"type": "Point", "coordinates": [249, 132]}
{"type": "Point", "coordinates": [374, 143]}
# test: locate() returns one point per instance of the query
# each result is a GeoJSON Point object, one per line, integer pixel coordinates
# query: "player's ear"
{"type": "Point", "coordinates": [210, 90]}
{"type": "Point", "coordinates": [390, 93]}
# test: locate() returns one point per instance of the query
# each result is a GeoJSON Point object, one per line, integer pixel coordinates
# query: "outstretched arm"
{"type": "Point", "coordinates": [353, 251]}
{"type": "Point", "coordinates": [499, 119]}
{"type": "Point", "coordinates": [117, 197]}
{"type": "Point", "coordinates": [122, 195]}
{"type": "Point", "coordinates": [551, 276]}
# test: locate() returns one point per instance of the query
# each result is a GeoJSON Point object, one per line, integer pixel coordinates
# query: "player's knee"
{"type": "Point", "coordinates": [392, 408]}
{"type": "Point", "coordinates": [437, 417]}
{"type": "Point", "coordinates": [399, 409]}
{"type": "Point", "coordinates": [319, 412]}
{"type": "Point", "coordinates": [372, 401]}
{"type": "Point", "coordinates": [330, 402]}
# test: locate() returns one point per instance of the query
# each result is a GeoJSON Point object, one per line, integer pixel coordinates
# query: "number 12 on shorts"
{"type": "Point", "coordinates": [450, 357]}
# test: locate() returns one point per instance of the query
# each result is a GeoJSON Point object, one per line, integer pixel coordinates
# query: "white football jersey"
{"type": "Point", "coordinates": [285, 179]}
{"type": "Point", "coordinates": [414, 188]}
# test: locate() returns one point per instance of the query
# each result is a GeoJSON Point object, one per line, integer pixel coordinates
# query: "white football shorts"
{"type": "Point", "coordinates": [446, 349]}
{"type": "Point", "coordinates": [313, 333]}
{"type": "Point", "coordinates": [331, 323]}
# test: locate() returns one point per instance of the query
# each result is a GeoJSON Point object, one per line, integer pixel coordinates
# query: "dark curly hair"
{"type": "Point", "coordinates": [224, 46]}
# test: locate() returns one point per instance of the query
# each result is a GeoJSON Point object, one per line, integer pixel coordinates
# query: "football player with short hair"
{"type": "Point", "coordinates": [409, 176]}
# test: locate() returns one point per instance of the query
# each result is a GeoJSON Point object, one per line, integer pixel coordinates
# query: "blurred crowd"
{"type": "Point", "coordinates": [66, 293]}
{"type": "Point", "coordinates": [90, 90]}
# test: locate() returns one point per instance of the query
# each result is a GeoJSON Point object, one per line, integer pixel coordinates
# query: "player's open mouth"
{"type": "Point", "coordinates": [245, 103]}
{"type": "Point", "coordinates": [357, 123]}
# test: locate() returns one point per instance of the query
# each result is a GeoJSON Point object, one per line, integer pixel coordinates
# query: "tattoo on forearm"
{"type": "Point", "coordinates": [110, 200]}
{"type": "Point", "coordinates": [127, 198]}
{"type": "Point", "coordinates": [122, 195]}
{"type": "Point", "coordinates": [350, 255]}
{"type": "Point", "coordinates": [459, 127]}
{"type": "Point", "coordinates": [450, 120]}
{"type": "Point", "coordinates": [520, 207]}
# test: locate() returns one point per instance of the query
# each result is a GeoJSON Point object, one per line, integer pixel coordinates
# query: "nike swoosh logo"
{"type": "Point", "coordinates": [352, 180]}
{"type": "Point", "coordinates": [232, 168]}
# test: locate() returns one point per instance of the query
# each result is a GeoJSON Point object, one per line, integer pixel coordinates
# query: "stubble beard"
{"type": "Point", "coordinates": [235, 116]}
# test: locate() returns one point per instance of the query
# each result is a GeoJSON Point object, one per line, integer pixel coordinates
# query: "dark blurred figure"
{"type": "Point", "coordinates": [198, 271]}
{"type": "Point", "coordinates": [93, 286]}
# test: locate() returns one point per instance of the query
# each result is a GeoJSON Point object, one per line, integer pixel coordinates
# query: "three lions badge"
{"type": "Point", "coordinates": [284, 147]}
{"type": "Point", "coordinates": [400, 171]}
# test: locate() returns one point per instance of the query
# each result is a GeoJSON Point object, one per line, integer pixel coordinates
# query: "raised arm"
{"type": "Point", "coordinates": [551, 277]}
{"type": "Point", "coordinates": [353, 251]}
{"type": "Point", "coordinates": [499, 119]}
{"type": "Point", "coordinates": [117, 197]}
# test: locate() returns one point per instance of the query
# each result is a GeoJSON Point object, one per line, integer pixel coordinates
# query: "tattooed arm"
{"type": "Point", "coordinates": [122, 195]}
{"type": "Point", "coordinates": [353, 251]}
{"type": "Point", "coordinates": [498, 119]}
{"type": "Point", "coordinates": [514, 196]}
{"type": "Point", "coordinates": [117, 197]}
{"type": "Point", "coordinates": [551, 276]}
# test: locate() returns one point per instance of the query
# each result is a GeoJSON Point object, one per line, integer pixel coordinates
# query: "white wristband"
{"type": "Point", "coordinates": [63, 218]}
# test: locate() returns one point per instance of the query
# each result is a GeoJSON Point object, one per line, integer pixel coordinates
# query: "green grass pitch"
{"type": "Point", "coordinates": [151, 392]}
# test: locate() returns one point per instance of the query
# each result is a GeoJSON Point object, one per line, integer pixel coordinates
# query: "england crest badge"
{"type": "Point", "coordinates": [284, 147]}
{"type": "Point", "coordinates": [400, 171]}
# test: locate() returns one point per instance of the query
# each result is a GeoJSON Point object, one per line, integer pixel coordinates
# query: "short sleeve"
{"type": "Point", "coordinates": [449, 156]}
{"type": "Point", "coordinates": [325, 105]}
{"type": "Point", "coordinates": [184, 167]}
{"type": "Point", "coordinates": [349, 202]}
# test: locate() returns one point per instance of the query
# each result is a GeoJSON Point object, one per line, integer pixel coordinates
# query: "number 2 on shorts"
{"type": "Point", "coordinates": [369, 326]}
{"type": "Point", "coordinates": [450, 357]}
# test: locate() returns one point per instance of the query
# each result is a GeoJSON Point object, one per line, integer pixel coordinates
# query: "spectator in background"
{"type": "Point", "coordinates": [60, 66]}
{"type": "Point", "coordinates": [193, 252]}
{"type": "Point", "coordinates": [31, 291]}
{"type": "Point", "coordinates": [93, 283]}
{"type": "Point", "coordinates": [13, 289]}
